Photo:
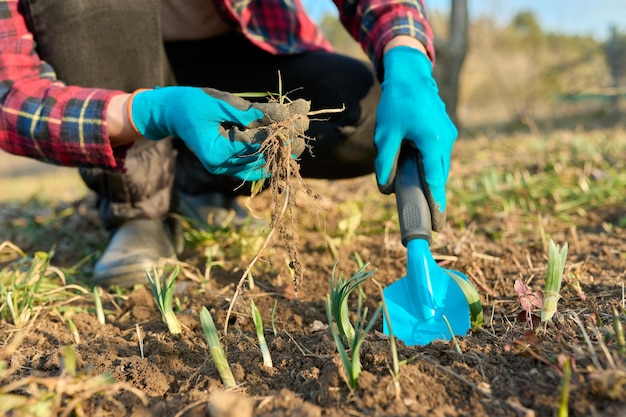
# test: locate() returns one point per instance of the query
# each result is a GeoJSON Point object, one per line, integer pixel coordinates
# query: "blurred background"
{"type": "Point", "coordinates": [502, 66]}
{"type": "Point", "coordinates": [511, 64]}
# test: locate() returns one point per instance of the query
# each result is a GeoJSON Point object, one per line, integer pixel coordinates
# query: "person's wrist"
{"type": "Point", "coordinates": [119, 129]}
{"type": "Point", "coordinates": [404, 40]}
{"type": "Point", "coordinates": [129, 109]}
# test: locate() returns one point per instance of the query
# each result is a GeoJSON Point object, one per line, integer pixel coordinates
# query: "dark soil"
{"type": "Point", "coordinates": [502, 370]}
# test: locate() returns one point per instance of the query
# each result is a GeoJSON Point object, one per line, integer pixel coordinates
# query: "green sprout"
{"type": "Point", "coordinates": [216, 349]}
{"type": "Point", "coordinates": [619, 332]}
{"type": "Point", "coordinates": [30, 284]}
{"type": "Point", "coordinates": [554, 276]}
{"type": "Point", "coordinates": [352, 362]}
{"type": "Point", "coordinates": [163, 291]}
{"type": "Point", "coordinates": [472, 296]}
{"type": "Point", "coordinates": [339, 322]}
{"type": "Point", "coordinates": [340, 289]}
{"type": "Point", "coordinates": [565, 388]}
{"type": "Point", "coordinates": [392, 343]}
{"type": "Point", "coordinates": [258, 324]}
{"type": "Point", "coordinates": [98, 302]}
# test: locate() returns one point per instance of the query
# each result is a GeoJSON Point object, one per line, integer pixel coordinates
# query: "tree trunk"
{"type": "Point", "coordinates": [451, 55]}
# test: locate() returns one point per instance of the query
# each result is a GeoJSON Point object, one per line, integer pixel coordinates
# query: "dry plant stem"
{"type": "Point", "coordinates": [324, 111]}
{"type": "Point", "coordinates": [244, 276]}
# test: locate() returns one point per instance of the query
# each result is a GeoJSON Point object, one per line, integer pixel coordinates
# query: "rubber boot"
{"type": "Point", "coordinates": [135, 246]}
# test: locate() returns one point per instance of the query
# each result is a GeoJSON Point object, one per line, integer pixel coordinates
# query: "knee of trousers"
{"type": "Point", "coordinates": [341, 145]}
{"type": "Point", "coordinates": [144, 190]}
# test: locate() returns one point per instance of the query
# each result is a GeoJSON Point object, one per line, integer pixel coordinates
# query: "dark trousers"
{"type": "Point", "coordinates": [341, 145]}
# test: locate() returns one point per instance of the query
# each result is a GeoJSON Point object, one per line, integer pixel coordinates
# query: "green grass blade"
{"type": "Point", "coordinates": [163, 291]}
{"type": "Point", "coordinates": [98, 303]}
{"type": "Point", "coordinates": [215, 348]}
{"type": "Point", "coordinates": [258, 324]}
{"type": "Point", "coordinates": [472, 296]}
{"type": "Point", "coordinates": [554, 277]}
{"type": "Point", "coordinates": [345, 359]}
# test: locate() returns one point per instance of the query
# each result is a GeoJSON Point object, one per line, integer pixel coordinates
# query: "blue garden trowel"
{"type": "Point", "coordinates": [430, 302]}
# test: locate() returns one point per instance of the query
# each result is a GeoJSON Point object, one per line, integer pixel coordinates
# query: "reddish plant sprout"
{"type": "Point", "coordinates": [528, 299]}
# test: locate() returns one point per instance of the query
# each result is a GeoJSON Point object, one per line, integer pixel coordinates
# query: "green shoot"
{"type": "Point", "coordinates": [73, 331]}
{"type": "Point", "coordinates": [554, 276]}
{"type": "Point", "coordinates": [258, 324]}
{"type": "Point", "coordinates": [163, 291]}
{"type": "Point", "coordinates": [215, 347]}
{"type": "Point", "coordinates": [473, 298]}
{"type": "Point", "coordinates": [68, 361]}
{"type": "Point", "coordinates": [453, 336]}
{"type": "Point", "coordinates": [30, 284]}
{"type": "Point", "coordinates": [20, 294]}
{"type": "Point", "coordinates": [358, 260]}
{"type": "Point", "coordinates": [274, 318]}
{"type": "Point", "coordinates": [340, 289]}
{"type": "Point", "coordinates": [392, 343]}
{"type": "Point", "coordinates": [352, 362]}
{"type": "Point", "coordinates": [565, 385]}
{"type": "Point", "coordinates": [139, 339]}
{"type": "Point", "coordinates": [619, 332]}
{"type": "Point", "coordinates": [98, 303]}
{"type": "Point", "coordinates": [211, 253]}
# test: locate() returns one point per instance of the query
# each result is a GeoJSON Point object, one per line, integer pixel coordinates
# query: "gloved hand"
{"type": "Point", "coordinates": [411, 111]}
{"type": "Point", "coordinates": [217, 126]}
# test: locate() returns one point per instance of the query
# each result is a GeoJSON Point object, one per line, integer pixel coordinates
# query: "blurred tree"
{"type": "Point", "coordinates": [615, 52]}
{"type": "Point", "coordinates": [451, 54]}
{"type": "Point", "coordinates": [525, 23]}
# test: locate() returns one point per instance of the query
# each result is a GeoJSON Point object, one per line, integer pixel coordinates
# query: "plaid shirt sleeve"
{"type": "Point", "coordinates": [374, 22]}
{"type": "Point", "coordinates": [42, 118]}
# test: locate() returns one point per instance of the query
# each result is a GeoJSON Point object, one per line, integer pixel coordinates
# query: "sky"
{"type": "Point", "coordinates": [572, 17]}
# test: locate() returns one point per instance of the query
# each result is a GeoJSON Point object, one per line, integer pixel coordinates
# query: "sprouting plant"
{"type": "Point", "coordinates": [392, 343]}
{"type": "Point", "coordinates": [556, 264]}
{"type": "Point", "coordinates": [215, 347]}
{"type": "Point", "coordinates": [98, 302]}
{"type": "Point", "coordinates": [139, 339]}
{"type": "Point", "coordinates": [340, 289]}
{"type": "Point", "coordinates": [565, 388]}
{"type": "Point", "coordinates": [457, 346]}
{"type": "Point", "coordinates": [339, 321]}
{"type": "Point", "coordinates": [28, 284]}
{"type": "Point", "coordinates": [212, 253]}
{"type": "Point", "coordinates": [352, 361]}
{"type": "Point", "coordinates": [163, 291]}
{"type": "Point", "coordinates": [619, 332]}
{"type": "Point", "coordinates": [20, 293]}
{"type": "Point", "coordinates": [258, 324]}
{"type": "Point", "coordinates": [73, 330]}
{"type": "Point", "coordinates": [529, 300]}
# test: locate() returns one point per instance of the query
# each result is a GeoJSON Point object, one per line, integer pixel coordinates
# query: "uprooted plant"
{"type": "Point", "coordinates": [282, 141]}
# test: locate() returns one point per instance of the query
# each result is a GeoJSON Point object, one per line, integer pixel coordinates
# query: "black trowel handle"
{"type": "Point", "coordinates": [413, 210]}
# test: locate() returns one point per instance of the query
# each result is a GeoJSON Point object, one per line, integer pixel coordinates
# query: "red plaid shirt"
{"type": "Point", "coordinates": [43, 118]}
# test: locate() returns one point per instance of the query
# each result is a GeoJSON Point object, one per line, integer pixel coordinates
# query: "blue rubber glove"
{"type": "Point", "coordinates": [411, 111]}
{"type": "Point", "coordinates": [205, 123]}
